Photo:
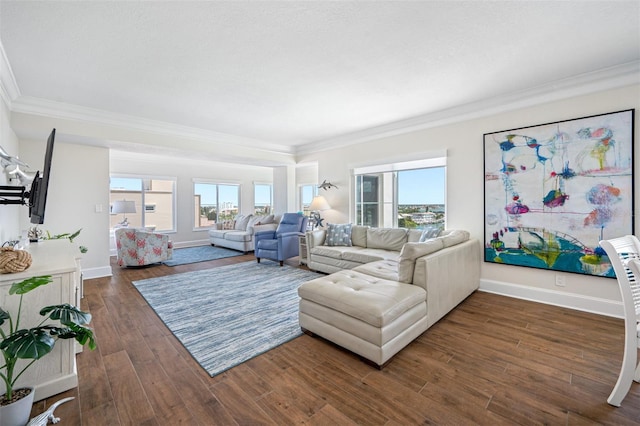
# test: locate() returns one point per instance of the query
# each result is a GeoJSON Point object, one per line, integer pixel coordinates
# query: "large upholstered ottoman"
{"type": "Point", "coordinates": [373, 317]}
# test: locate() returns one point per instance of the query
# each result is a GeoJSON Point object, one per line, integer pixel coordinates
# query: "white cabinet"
{"type": "Point", "coordinates": [56, 372]}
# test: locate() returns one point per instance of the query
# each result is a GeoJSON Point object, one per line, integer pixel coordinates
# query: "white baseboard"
{"type": "Point", "coordinates": [610, 308]}
{"type": "Point", "coordinates": [102, 271]}
{"type": "Point", "coordinates": [195, 243]}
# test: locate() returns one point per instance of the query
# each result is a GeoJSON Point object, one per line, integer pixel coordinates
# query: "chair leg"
{"type": "Point", "coordinates": [627, 373]}
{"type": "Point", "coordinates": [281, 262]}
{"type": "Point", "coordinates": [258, 259]}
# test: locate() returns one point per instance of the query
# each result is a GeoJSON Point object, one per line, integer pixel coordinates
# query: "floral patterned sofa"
{"type": "Point", "coordinates": [138, 247]}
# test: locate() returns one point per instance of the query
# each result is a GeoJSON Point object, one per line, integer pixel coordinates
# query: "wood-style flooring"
{"type": "Point", "coordinates": [492, 361]}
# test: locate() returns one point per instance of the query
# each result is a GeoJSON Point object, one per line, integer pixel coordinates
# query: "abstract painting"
{"type": "Point", "coordinates": [553, 191]}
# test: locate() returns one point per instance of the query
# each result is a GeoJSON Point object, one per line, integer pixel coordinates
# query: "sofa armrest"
{"type": "Point", "coordinates": [449, 276]}
{"type": "Point", "coordinates": [316, 238]}
{"type": "Point", "coordinates": [287, 235]}
{"type": "Point", "coordinates": [263, 235]}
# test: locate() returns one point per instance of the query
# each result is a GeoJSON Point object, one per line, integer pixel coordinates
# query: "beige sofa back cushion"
{"type": "Point", "coordinates": [386, 238]}
{"type": "Point", "coordinates": [359, 235]}
{"type": "Point", "coordinates": [410, 252]}
{"type": "Point", "coordinates": [454, 236]}
{"type": "Point", "coordinates": [413, 236]}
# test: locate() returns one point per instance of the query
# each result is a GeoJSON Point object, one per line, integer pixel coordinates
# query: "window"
{"type": "Point", "coordinates": [214, 203]}
{"type": "Point", "coordinates": [307, 192]}
{"type": "Point", "coordinates": [402, 195]}
{"type": "Point", "coordinates": [154, 200]}
{"type": "Point", "coordinates": [263, 198]}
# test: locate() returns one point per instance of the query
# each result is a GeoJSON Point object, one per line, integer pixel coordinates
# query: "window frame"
{"type": "Point", "coordinates": [217, 184]}
{"type": "Point", "coordinates": [270, 209]}
{"type": "Point", "coordinates": [143, 196]}
{"type": "Point", "coordinates": [388, 190]}
{"type": "Point", "coordinates": [314, 192]}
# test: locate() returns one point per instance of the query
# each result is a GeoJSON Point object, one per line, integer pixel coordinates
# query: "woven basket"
{"type": "Point", "coordinates": [12, 261]}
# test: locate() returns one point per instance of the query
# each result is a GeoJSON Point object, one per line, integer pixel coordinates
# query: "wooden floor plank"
{"type": "Point", "coordinates": [493, 360]}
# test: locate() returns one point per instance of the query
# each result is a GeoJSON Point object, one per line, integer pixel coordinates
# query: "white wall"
{"type": "Point", "coordinates": [185, 171]}
{"type": "Point", "coordinates": [463, 142]}
{"type": "Point", "coordinates": [78, 189]}
{"type": "Point", "coordinates": [9, 222]}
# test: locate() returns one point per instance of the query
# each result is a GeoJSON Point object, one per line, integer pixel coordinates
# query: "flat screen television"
{"type": "Point", "coordinates": [40, 185]}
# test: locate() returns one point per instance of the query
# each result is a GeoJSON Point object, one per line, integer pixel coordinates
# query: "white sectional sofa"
{"type": "Point", "coordinates": [377, 298]}
{"type": "Point", "coordinates": [367, 245]}
{"type": "Point", "coordinates": [238, 233]}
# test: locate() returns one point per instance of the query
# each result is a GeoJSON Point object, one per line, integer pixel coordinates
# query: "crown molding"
{"type": "Point", "coordinates": [60, 110]}
{"type": "Point", "coordinates": [8, 87]}
{"type": "Point", "coordinates": [608, 78]}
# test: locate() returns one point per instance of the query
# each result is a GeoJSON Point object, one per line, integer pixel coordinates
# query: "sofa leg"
{"type": "Point", "coordinates": [373, 364]}
{"type": "Point", "coordinates": [307, 332]}
{"type": "Point", "coordinates": [282, 263]}
{"type": "Point", "coordinates": [258, 259]}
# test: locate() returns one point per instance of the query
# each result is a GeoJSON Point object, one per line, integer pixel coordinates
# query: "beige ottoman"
{"type": "Point", "coordinates": [373, 317]}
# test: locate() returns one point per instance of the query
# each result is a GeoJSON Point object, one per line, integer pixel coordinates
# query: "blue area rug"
{"type": "Point", "coordinates": [183, 256]}
{"type": "Point", "coordinates": [227, 315]}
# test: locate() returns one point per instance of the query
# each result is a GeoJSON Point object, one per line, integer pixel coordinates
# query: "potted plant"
{"type": "Point", "coordinates": [34, 343]}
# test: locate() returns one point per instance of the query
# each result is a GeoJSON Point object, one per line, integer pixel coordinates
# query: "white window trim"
{"type": "Point", "coordinates": [174, 203]}
{"type": "Point", "coordinates": [433, 160]}
{"type": "Point", "coordinates": [212, 182]}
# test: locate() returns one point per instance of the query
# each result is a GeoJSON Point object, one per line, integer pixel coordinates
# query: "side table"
{"type": "Point", "coordinates": [302, 250]}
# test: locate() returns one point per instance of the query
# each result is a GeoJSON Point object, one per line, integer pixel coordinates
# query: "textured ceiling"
{"type": "Point", "coordinates": [294, 73]}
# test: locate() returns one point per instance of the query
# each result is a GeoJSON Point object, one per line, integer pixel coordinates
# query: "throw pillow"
{"type": "Point", "coordinates": [228, 225]}
{"type": "Point", "coordinates": [242, 221]}
{"type": "Point", "coordinates": [428, 233]}
{"type": "Point", "coordinates": [256, 220]}
{"type": "Point", "coordinates": [338, 235]}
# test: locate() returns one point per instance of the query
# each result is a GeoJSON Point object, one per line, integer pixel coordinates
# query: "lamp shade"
{"type": "Point", "coordinates": [122, 206]}
{"type": "Point", "coordinates": [319, 203]}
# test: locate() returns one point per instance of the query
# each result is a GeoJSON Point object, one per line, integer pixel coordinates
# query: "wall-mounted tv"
{"type": "Point", "coordinates": [40, 185]}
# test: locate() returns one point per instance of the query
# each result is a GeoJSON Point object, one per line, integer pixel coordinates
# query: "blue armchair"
{"type": "Point", "coordinates": [282, 243]}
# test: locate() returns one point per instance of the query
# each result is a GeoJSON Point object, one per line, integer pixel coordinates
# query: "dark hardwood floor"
{"type": "Point", "coordinates": [493, 360]}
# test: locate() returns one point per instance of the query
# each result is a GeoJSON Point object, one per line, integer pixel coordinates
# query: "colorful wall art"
{"type": "Point", "coordinates": [553, 191]}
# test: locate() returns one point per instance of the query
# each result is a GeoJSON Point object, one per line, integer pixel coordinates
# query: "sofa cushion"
{"type": "Point", "coordinates": [359, 235]}
{"type": "Point", "coordinates": [410, 252]}
{"type": "Point", "coordinates": [370, 255]}
{"type": "Point", "coordinates": [333, 252]}
{"type": "Point", "coordinates": [454, 236]}
{"type": "Point", "coordinates": [370, 299]}
{"type": "Point", "coordinates": [241, 236]}
{"type": "Point", "coordinates": [386, 238]}
{"type": "Point", "coordinates": [268, 244]}
{"type": "Point", "coordinates": [218, 233]}
{"type": "Point", "coordinates": [385, 269]}
{"type": "Point", "coordinates": [242, 221]}
{"type": "Point", "coordinates": [338, 234]}
{"type": "Point", "coordinates": [413, 235]}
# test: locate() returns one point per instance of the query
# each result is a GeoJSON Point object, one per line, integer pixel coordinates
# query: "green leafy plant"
{"type": "Point", "coordinates": [70, 237]}
{"type": "Point", "coordinates": [36, 342]}
{"type": "Point", "coordinates": [67, 235]}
